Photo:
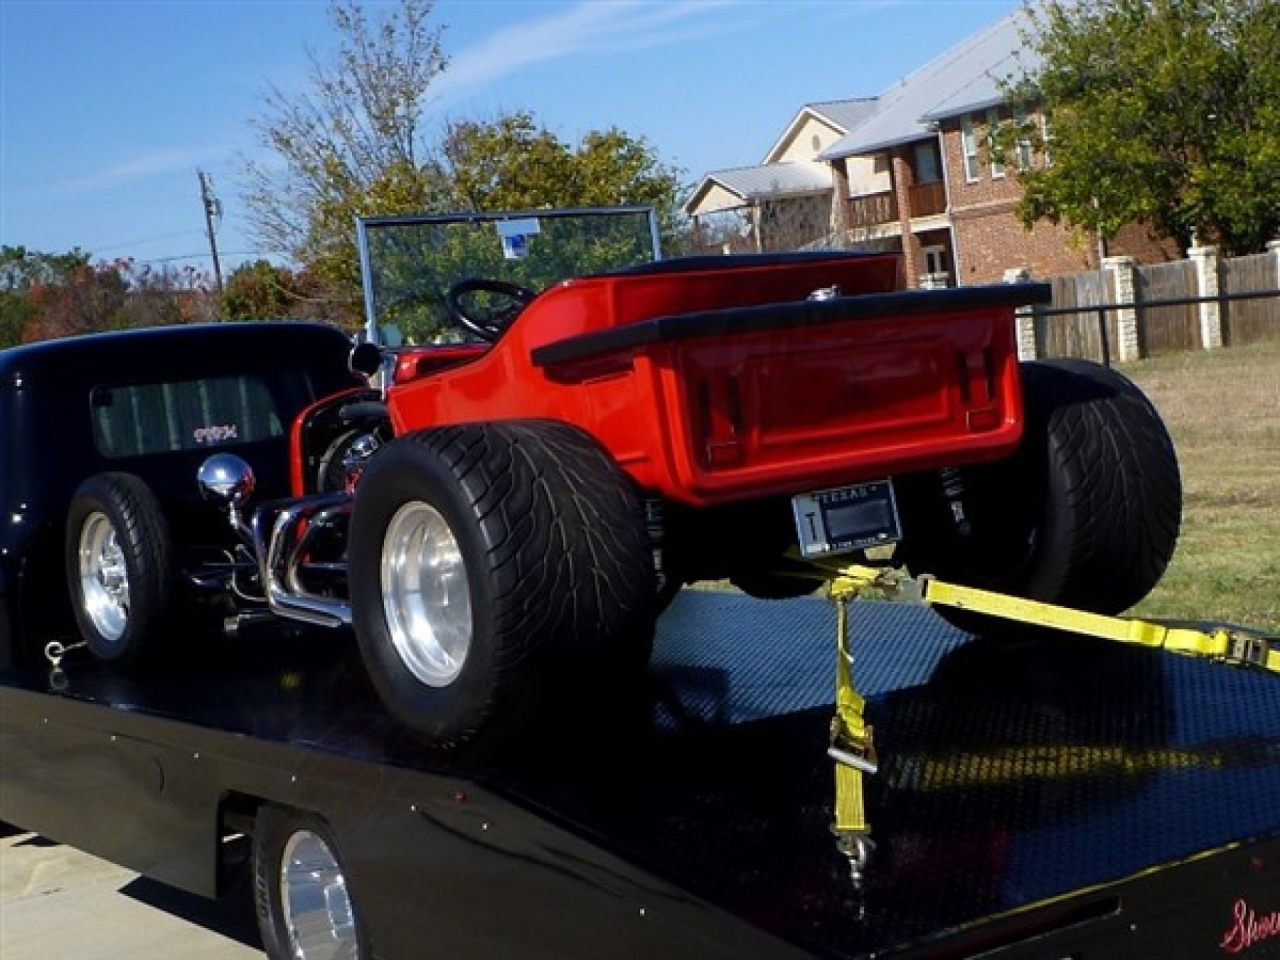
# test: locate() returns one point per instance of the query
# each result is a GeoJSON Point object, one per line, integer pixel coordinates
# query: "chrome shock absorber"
{"type": "Point", "coordinates": [954, 490]}
{"type": "Point", "coordinates": [656, 527]}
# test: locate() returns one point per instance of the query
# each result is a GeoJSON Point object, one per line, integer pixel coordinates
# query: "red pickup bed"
{"type": "Point", "coordinates": [716, 385]}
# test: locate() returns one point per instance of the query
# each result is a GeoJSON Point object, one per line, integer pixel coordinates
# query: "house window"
{"type": "Point", "coordinates": [1024, 139]}
{"type": "Point", "coordinates": [928, 169]}
{"type": "Point", "coordinates": [997, 157]}
{"type": "Point", "coordinates": [1044, 140]}
{"type": "Point", "coordinates": [969, 142]}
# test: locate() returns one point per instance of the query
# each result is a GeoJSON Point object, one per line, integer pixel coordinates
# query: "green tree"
{"type": "Point", "coordinates": [352, 145]}
{"type": "Point", "coordinates": [22, 273]}
{"type": "Point", "coordinates": [16, 313]}
{"type": "Point", "coordinates": [514, 163]}
{"type": "Point", "coordinates": [349, 145]}
{"type": "Point", "coordinates": [45, 295]}
{"type": "Point", "coordinates": [1161, 112]}
{"type": "Point", "coordinates": [91, 298]}
{"type": "Point", "coordinates": [508, 164]}
{"type": "Point", "coordinates": [22, 269]}
{"type": "Point", "coordinates": [263, 291]}
{"type": "Point", "coordinates": [165, 295]}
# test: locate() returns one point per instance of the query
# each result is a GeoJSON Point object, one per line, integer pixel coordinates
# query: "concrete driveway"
{"type": "Point", "coordinates": [57, 902]}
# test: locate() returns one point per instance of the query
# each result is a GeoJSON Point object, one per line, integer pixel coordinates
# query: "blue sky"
{"type": "Point", "coordinates": [109, 107]}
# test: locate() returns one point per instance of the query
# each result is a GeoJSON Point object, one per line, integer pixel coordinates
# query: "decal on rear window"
{"type": "Point", "coordinates": [219, 433]}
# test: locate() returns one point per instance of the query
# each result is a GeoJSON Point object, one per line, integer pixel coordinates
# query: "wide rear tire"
{"type": "Point", "coordinates": [1085, 515]}
{"type": "Point", "coordinates": [492, 566]}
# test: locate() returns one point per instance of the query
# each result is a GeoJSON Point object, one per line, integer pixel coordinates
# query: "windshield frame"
{"type": "Point", "coordinates": [367, 225]}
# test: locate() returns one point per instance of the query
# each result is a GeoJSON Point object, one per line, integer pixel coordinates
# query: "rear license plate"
{"type": "Point", "coordinates": [845, 519]}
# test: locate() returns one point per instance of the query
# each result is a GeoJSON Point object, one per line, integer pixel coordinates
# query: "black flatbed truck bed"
{"type": "Point", "coordinates": [1041, 796]}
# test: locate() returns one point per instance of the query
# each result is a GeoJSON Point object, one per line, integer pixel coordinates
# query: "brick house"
{"type": "Point", "coordinates": [911, 171]}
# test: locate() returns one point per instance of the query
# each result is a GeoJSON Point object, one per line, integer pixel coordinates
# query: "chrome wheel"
{"type": "Point", "coordinates": [104, 578]}
{"type": "Point", "coordinates": [318, 916]}
{"type": "Point", "coordinates": [425, 594]}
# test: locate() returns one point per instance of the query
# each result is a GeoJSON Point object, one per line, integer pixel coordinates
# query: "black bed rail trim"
{"type": "Point", "coordinates": [737, 320]}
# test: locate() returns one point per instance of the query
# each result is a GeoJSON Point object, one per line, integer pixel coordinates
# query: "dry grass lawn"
{"type": "Point", "coordinates": [1223, 409]}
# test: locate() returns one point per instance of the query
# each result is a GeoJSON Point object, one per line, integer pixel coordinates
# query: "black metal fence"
{"type": "Point", "coordinates": [1094, 334]}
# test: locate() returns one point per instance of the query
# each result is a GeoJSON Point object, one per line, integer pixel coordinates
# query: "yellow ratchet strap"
{"type": "Point", "coordinates": [1234, 646]}
{"type": "Point", "coordinates": [852, 747]}
{"type": "Point", "coordinates": [851, 737]}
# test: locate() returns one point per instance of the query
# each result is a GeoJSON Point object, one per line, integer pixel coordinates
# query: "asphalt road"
{"type": "Point", "coordinates": [58, 903]}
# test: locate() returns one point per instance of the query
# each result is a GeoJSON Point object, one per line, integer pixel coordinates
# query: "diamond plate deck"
{"type": "Point", "coordinates": [1012, 772]}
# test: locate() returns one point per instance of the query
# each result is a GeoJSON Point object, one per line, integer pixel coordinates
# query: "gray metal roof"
{"type": "Point", "coordinates": [840, 115]}
{"type": "Point", "coordinates": [770, 180]}
{"type": "Point", "coordinates": [845, 114]}
{"type": "Point", "coordinates": [965, 78]}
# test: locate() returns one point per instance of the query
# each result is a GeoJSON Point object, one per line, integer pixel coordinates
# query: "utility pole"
{"type": "Point", "coordinates": [212, 210]}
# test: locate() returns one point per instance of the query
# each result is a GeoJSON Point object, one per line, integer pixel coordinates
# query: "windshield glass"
{"type": "Point", "coordinates": [409, 264]}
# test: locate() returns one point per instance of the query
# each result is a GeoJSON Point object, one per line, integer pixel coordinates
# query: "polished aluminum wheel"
{"type": "Point", "coordinates": [318, 916]}
{"type": "Point", "coordinates": [104, 578]}
{"type": "Point", "coordinates": [425, 594]}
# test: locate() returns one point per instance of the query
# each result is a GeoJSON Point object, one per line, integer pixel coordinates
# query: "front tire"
{"type": "Point", "coordinates": [119, 566]}
{"type": "Point", "coordinates": [491, 563]}
{"type": "Point", "coordinates": [1086, 514]}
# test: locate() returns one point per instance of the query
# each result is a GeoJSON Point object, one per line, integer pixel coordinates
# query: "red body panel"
{"type": "Point", "coordinates": [415, 362]}
{"type": "Point", "coordinates": [735, 415]}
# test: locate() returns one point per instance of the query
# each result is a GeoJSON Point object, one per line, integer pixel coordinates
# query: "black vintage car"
{"type": "Point", "coordinates": [101, 436]}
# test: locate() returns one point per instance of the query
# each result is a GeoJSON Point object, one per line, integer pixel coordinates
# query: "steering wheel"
{"type": "Point", "coordinates": [488, 324]}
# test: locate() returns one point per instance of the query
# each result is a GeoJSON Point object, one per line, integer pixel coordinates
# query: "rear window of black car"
{"type": "Point", "coordinates": [131, 420]}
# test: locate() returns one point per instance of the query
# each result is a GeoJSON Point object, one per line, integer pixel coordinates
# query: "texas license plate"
{"type": "Point", "coordinates": [845, 519]}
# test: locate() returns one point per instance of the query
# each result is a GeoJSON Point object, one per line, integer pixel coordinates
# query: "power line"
{"type": "Point", "coordinates": [175, 257]}
{"type": "Point", "coordinates": [97, 250]}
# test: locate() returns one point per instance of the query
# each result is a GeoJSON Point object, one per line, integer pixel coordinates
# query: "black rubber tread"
{"type": "Point", "coordinates": [273, 825]}
{"type": "Point", "coordinates": [1086, 514]}
{"type": "Point", "coordinates": [145, 539]}
{"type": "Point", "coordinates": [1120, 487]}
{"type": "Point", "coordinates": [558, 559]}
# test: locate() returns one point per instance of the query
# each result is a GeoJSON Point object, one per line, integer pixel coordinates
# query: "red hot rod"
{"type": "Point", "coordinates": [576, 427]}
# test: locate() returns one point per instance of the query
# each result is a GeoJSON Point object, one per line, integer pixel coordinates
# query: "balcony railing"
{"type": "Point", "coordinates": [927, 199]}
{"type": "Point", "coordinates": [876, 209]}
{"type": "Point", "coordinates": [872, 210]}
